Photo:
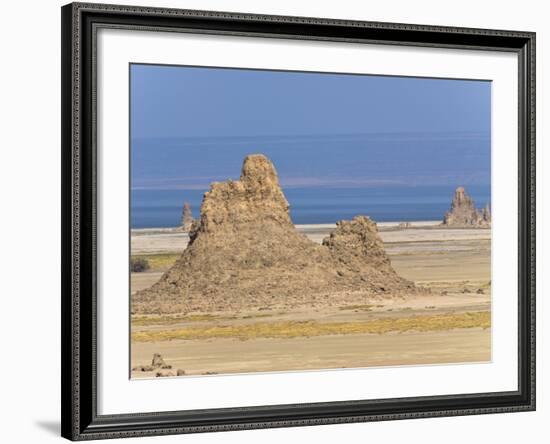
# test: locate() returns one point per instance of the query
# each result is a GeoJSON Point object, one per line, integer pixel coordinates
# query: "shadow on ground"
{"type": "Point", "coordinates": [53, 427]}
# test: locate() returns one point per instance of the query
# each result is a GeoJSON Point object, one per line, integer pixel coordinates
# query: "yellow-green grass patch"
{"type": "Point", "coordinates": [167, 319]}
{"type": "Point", "coordinates": [296, 329]}
{"type": "Point", "coordinates": [158, 261]}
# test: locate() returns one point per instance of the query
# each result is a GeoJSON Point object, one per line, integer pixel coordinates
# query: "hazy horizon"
{"type": "Point", "coordinates": [191, 123]}
{"type": "Point", "coordinates": [191, 126]}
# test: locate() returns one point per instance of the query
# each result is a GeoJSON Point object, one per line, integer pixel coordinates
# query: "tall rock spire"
{"type": "Point", "coordinates": [245, 253]}
{"type": "Point", "coordinates": [463, 212]}
{"type": "Point", "coordinates": [186, 217]}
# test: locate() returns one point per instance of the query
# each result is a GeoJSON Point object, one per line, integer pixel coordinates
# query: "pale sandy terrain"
{"type": "Point", "coordinates": [453, 263]}
{"type": "Point", "coordinates": [153, 241]}
{"type": "Point", "coordinates": [168, 240]}
{"type": "Point", "coordinates": [320, 352]}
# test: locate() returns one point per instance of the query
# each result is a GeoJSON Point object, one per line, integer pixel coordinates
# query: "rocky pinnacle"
{"type": "Point", "coordinates": [245, 254]}
{"type": "Point", "coordinates": [186, 217]}
{"type": "Point", "coordinates": [463, 212]}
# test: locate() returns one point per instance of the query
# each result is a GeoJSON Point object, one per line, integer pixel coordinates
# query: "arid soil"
{"type": "Point", "coordinates": [450, 324]}
{"type": "Point", "coordinates": [320, 352]}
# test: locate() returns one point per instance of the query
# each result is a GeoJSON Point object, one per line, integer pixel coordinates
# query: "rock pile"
{"type": "Point", "coordinates": [156, 364]}
{"type": "Point", "coordinates": [245, 253]}
{"type": "Point", "coordinates": [463, 212]}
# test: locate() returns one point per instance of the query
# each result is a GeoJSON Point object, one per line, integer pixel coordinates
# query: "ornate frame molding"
{"type": "Point", "coordinates": [80, 22]}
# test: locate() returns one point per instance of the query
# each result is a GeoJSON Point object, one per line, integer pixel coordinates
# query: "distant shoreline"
{"type": "Point", "coordinates": [301, 227]}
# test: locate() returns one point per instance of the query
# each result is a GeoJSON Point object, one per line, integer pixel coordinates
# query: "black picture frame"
{"type": "Point", "coordinates": [80, 420]}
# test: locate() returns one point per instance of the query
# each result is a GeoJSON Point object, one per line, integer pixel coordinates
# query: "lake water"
{"type": "Point", "coordinates": [316, 205]}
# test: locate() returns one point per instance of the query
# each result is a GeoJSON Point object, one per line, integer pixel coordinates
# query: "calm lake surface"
{"type": "Point", "coordinates": [315, 205]}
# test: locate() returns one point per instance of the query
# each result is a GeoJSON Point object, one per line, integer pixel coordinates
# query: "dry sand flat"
{"type": "Point", "coordinates": [158, 241]}
{"type": "Point", "coordinates": [320, 352]}
{"type": "Point", "coordinates": [168, 240]}
{"type": "Point", "coordinates": [454, 263]}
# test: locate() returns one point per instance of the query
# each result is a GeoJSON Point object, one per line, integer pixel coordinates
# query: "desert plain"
{"type": "Point", "coordinates": [448, 323]}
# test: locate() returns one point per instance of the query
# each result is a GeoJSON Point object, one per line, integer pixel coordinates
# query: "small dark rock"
{"type": "Point", "coordinates": [143, 368]}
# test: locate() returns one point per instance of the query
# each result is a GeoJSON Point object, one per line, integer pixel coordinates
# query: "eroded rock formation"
{"type": "Point", "coordinates": [244, 254]}
{"type": "Point", "coordinates": [463, 212]}
{"type": "Point", "coordinates": [156, 363]}
{"type": "Point", "coordinates": [186, 217]}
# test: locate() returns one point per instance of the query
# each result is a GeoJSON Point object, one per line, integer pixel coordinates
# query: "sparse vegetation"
{"type": "Point", "coordinates": [259, 315]}
{"type": "Point", "coordinates": [139, 264]}
{"type": "Point", "coordinates": [167, 319]}
{"type": "Point", "coordinates": [144, 320]}
{"type": "Point", "coordinates": [295, 329]}
{"type": "Point", "coordinates": [157, 262]}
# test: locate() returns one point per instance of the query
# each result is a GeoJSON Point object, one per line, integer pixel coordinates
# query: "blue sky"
{"type": "Point", "coordinates": [190, 126]}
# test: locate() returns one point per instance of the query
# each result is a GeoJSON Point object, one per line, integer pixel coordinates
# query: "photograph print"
{"type": "Point", "coordinates": [298, 221]}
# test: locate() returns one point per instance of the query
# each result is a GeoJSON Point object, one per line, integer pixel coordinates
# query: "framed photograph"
{"type": "Point", "coordinates": [281, 221]}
